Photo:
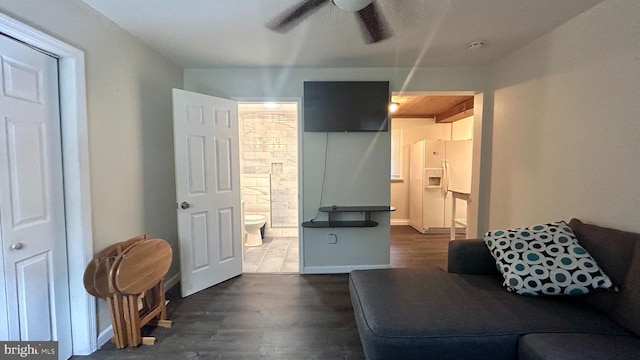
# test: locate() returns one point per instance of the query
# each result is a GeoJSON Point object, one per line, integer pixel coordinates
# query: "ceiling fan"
{"type": "Point", "coordinates": [372, 22]}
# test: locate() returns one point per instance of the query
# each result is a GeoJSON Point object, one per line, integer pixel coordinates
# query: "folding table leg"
{"type": "Point", "coordinates": [133, 319]}
{"type": "Point", "coordinates": [118, 321]}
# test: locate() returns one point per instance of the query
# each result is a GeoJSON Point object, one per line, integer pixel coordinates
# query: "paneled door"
{"type": "Point", "coordinates": [207, 189]}
{"type": "Point", "coordinates": [34, 289]}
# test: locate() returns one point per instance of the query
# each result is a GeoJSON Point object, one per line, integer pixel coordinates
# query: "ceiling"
{"type": "Point", "coordinates": [231, 33]}
{"type": "Point", "coordinates": [421, 106]}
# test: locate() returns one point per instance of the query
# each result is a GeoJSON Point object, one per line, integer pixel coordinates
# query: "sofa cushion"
{"type": "Point", "coordinates": [407, 313]}
{"type": "Point", "coordinates": [612, 249]}
{"type": "Point", "coordinates": [626, 310]}
{"type": "Point", "coordinates": [618, 254]}
{"type": "Point", "coordinates": [577, 347]}
{"type": "Point", "coordinates": [545, 259]}
{"type": "Point", "coordinates": [470, 256]}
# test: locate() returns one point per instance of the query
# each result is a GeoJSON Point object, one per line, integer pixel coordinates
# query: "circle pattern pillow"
{"type": "Point", "coordinates": [545, 259]}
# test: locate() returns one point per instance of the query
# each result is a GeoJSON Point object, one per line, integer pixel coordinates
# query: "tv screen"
{"type": "Point", "coordinates": [346, 106]}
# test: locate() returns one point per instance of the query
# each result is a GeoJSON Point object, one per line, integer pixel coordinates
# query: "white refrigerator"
{"type": "Point", "coordinates": [435, 167]}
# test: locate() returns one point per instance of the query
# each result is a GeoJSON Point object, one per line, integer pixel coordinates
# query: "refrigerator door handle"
{"type": "Point", "coordinates": [445, 178]}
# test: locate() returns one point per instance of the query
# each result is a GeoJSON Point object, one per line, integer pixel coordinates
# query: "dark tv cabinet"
{"type": "Point", "coordinates": [334, 211]}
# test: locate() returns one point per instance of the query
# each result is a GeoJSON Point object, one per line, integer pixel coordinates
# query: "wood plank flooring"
{"type": "Point", "coordinates": [274, 316]}
{"type": "Point", "coordinates": [410, 248]}
{"type": "Point", "coordinates": [257, 316]}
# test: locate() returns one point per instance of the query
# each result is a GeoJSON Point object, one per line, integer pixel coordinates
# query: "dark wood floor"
{"type": "Point", "coordinates": [261, 316]}
{"type": "Point", "coordinates": [257, 316]}
{"type": "Point", "coordinates": [410, 248]}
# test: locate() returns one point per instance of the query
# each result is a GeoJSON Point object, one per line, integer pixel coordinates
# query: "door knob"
{"type": "Point", "coordinates": [185, 205]}
{"type": "Point", "coordinates": [16, 246]}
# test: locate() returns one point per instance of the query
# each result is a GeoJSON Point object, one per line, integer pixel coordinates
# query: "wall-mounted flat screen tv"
{"type": "Point", "coordinates": [346, 106]}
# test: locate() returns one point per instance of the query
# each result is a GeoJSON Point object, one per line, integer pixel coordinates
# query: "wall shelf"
{"type": "Point", "coordinates": [334, 211]}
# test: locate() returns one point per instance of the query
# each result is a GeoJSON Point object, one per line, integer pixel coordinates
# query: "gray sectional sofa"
{"type": "Point", "coordinates": [466, 313]}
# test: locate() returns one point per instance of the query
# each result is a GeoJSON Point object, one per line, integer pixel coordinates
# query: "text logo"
{"type": "Point", "coordinates": [28, 350]}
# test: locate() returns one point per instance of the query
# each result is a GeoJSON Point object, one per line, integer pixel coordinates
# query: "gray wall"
{"type": "Point", "coordinates": [358, 164]}
{"type": "Point", "coordinates": [129, 122]}
{"type": "Point", "coordinates": [564, 144]}
{"type": "Point", "coordinates": [566, 130]}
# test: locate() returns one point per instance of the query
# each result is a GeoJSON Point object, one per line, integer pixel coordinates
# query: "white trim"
{"type": "Point", "coordinates": [75, 157]}
{"type": "Point", "coordinates": [300, 189]}
{"type": "Point", "coordinates": [105, 336]}
{"type": "Point", "coordinates": [172, 281]}
{"type": "Point", "coordinates": [341, 269]}
{"type": "Point", "coordinates": [395, 222]}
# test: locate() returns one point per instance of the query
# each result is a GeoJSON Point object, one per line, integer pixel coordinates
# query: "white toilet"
{"type": "Point", "coordinates": [252, 225]}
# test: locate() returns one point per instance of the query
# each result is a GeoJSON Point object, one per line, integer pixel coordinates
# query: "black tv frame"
{"type": "Point", "coordinates": [346, 106]}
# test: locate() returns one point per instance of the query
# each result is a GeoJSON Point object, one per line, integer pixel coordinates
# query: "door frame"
{"type": "Point", "coordinates": [297, 100]}
{"type": "Point", "coordinates": [480, 168]}
{"type": "Point", "coordinates": [76, 175]}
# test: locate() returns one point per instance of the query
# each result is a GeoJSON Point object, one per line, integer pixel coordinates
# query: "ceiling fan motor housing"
{"type": "Point", "coordinates": [351, 5]}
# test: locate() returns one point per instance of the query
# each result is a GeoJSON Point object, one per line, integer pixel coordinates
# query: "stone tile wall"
{"type": "Point", "coordinates": [269, 166]}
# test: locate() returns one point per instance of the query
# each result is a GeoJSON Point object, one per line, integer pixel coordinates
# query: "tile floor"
{"type": "Point", "coordinates": [275, 255]}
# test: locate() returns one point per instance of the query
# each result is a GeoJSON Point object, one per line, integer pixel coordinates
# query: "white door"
{"type": "Point", "coordinates": [34, 289]}
{"type": "Point", "coordinates": [416, 185]}
{"type": "Point", "coordinates": [207, 189]}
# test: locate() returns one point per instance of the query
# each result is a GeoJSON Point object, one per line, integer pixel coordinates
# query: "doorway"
{"type": "Point", "coordinates": [425, 175]}
{"type": "Point", "coordinates": [269, 172]}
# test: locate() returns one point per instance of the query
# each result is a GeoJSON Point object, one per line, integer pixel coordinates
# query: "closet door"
{"type": "Point", "coordinates": [32, 223]}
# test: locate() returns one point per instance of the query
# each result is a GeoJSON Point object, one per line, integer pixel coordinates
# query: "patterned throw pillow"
{"type": "Point", "coordinates": [545, 259]}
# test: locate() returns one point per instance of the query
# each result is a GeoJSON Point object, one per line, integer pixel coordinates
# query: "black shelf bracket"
{"type": "Point", "coordinates": [333, 211]}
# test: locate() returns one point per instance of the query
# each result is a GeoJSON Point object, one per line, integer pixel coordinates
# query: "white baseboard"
{"type": "Point", "coordinates": [340, 269]}
{"type": "Point", "coordinates": [106, 334]}
{"type": "Point", "coordinates": [395, 222]}
{"type": "Point", "coordinates": [172, 281]}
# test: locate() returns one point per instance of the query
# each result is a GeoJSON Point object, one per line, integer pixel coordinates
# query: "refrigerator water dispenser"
{"type": "Point", "coordinates": [433, 178]}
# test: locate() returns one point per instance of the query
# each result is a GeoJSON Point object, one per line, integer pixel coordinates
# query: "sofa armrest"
{"type": "Point", "coordinates": [470, 257]}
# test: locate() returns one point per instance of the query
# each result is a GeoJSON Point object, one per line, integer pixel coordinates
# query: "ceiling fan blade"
{"type": "Point", "coordinates": [295, 15]}
{"type": "Point", "coordinates": [373, 24]}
